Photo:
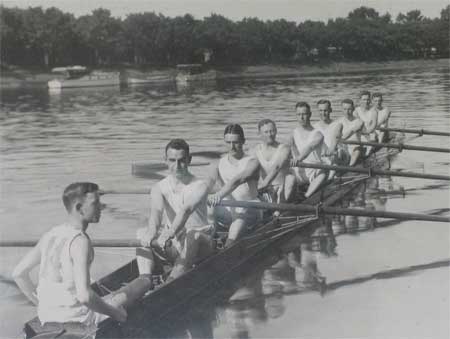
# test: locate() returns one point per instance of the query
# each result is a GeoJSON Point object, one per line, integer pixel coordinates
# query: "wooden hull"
{"type": "Point", "coordinates": [209, 274]}
{"type": "Point", "coordinates": [86, 81]}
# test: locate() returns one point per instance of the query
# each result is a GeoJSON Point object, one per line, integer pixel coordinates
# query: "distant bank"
{"type": "Point", "coordinates": [16, 77]}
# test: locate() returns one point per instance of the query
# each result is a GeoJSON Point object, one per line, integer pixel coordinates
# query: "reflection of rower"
{"type": "Point", "coordinates": [246, 308]}
{"type": "Point", "coordinates": [279, 278]}
{"type": "Point", "coordinates": [323, 240]}
{"type": "Point", "coordinates": [306, 145]}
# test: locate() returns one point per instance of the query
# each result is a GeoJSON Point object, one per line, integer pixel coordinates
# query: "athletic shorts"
{"type": "Point", "coordinates": [306, 175]}
{"type": "Point", "coordinates": [225, 215]}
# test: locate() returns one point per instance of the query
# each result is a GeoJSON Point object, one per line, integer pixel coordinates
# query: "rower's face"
{"type": "Point", "coordinates": [235, 144]}
{"type": "Point", "coordinates": [377, 101]}
{"type": "Point", "coordinates": [324, 112]}
{"type": "Point", "coordinates": [348, 109]}
{"type": "Point", "coordinates": [365, 101]}
{"type": "Point", "coordinates": [268, 133]}
{"type": "Point", "coordinates": [178, 162]}
{"type": "Point", "coordinates": [91, 207]}
{"type": "Point", "coordinates": [303, 115]}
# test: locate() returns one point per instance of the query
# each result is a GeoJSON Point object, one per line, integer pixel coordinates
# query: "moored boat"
{"type": "Point", "coordinates": [207, 274]}
{"type": "Point", "coordinates": [80, 76]}
{"type": "Point", "coordinates": [187, 73]}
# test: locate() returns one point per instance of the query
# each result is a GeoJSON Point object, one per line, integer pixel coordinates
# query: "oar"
{"type": "Point", "coordinates": [414, 131]}
{"type": "Point", "coordinates": [137, 191]}
{"type": "Point", "coordinates": [96, 243]}
{"type": "Point", "coordinates": [370, 171]}
{"type": "Point", "coordinates": [399, 146]}
{"type": "Point", "coordinates": [333, 210]}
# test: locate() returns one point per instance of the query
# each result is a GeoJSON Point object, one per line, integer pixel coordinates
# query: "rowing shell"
{"type": "Point", "coordinates": [210, 273]}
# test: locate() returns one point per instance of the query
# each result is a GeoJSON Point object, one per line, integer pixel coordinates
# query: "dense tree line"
{"type": "Point", "coordinates": [50, 37]}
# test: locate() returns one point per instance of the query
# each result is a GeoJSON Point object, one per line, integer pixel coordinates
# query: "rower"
{"type": "Point", "coordinates": [370, 118]}
{"type": "Point", "coordinates": [273, 158]}
{"type": "Point", "coordinates": [181, 199]}
{"type": "Point", "coordinates": [237, 175]}
{"type": "Point", "coordinates": [333, 153]}
{"type": "Point", "coordinates": [307, 144]}
{"type": "Point", "coordinates": [383, 115]}
{"type": "Point", "coordinates": [351, 131]}
{"type": "Point", "coordinates": [65, 254]}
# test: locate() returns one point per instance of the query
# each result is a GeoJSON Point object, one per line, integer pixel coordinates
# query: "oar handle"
{"type": "Point", "coordinates": [397, 146]}
{"type": "Point", "coordinates": [414, 131]}
{"type": "Point", "coordinates": [136, 191]}
{"type": "Point", "coordinates": [95, 243]}
{"type": "Point", "coordinates": [373, 171]}
{"type": "Point", "coordinates": [333, 210]}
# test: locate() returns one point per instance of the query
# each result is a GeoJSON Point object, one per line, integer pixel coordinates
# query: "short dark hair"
{"type": "Point", "coordinates": [234, 129]}
{"type": "Point", "coordinates": [302, 104]}
{"type": "Point", "coordinates": [364, 93]}
{"type": "Point", "coordinates": [377, 95]}
{"type": "Point", "coordinates": [77, 191]}
{"type": "Point", "coordinates": [348, 101]}
{"type": "Point", "coordinates": [178, 144]}
{"type": "Point", "coordinates": [263, 122]}
{"type": "Point", "coordinates": [324, 101]}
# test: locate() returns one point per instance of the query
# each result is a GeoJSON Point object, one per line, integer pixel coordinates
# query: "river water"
{"type": "Point", "coordinates": [49, 140]}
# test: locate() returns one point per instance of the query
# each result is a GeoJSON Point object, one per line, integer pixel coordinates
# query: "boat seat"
{"type": "Point", "coordinates": [34, 329]}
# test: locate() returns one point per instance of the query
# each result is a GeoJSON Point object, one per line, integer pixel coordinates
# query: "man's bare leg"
{"type": "Point", "coordinates": [290, 185]}
{"type": "Point", "coordinates": [315, 184]}
{"type": "Point", "coordinates": [236, 229]}
{"type": "Point", "coordinates": [356, 154]}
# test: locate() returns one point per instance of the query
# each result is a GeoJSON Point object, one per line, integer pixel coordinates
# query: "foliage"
{"type": "Point", "coordinates": [50, 37]}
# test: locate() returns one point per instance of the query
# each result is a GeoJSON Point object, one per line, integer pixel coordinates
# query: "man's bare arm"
{"type": "Point", "coordinates": [79, 252]}
{"type": "Point", "coordinates": [198, 196]}
{"type": "Point", "coordinates": [372, 123]}
{"type": "Point", "coordinates": [156, 213]}
{"type": "Point", "coordinates": [242, 177]}
{"type": "Point", "coordinates": [312, 145]}
{"type": "Point", "coordinates": [281, 161]}
{"type": "Point", "coordinates": [356, 127]}
{"type": "Point", "coordinates": [21, 273]}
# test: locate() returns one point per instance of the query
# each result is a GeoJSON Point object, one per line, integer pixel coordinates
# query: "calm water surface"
{"type": "Point", "coordinates": [50, 140]}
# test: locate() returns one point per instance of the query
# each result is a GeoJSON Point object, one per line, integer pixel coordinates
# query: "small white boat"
{"type": "Point", "coordinates": [80, 76]}
{"type": "Point", "coordinates": [194, 73]}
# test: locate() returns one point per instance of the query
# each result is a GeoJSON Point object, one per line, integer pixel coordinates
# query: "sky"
{"type": "Point", "coordinates": [291, 10]}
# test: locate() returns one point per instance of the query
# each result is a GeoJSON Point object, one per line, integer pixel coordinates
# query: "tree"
{"type": "Point", "coordinates": [363, 13]}
{"type": "Point", "coordinates": [410, 17]}
{"type": "Point", "coordinates": [100, 34]}
{"type": "Point", "coordinates": [12, 34]}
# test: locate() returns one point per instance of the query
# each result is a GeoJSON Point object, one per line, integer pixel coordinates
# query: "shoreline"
{"type": "Point", "coordinates": [23, 77]}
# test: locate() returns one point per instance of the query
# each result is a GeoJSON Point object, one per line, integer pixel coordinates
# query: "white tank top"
{"type": "Point", "coordinates": [365, 115]}
{"type": "Point", "coordinates": [350, 125]}
{"type": "Point", "coordinates": [301, 140]}
{"type": "Point", "coordinates": [383, 115]}
{"type": "Point", "coordinates": [227, 171]}
{"type": "Point", "coordinates": [267, 164]}
{"type": "Point", "coordinates": [56, 289]}
{"type": "Point", "coordinates": [175, 200]}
